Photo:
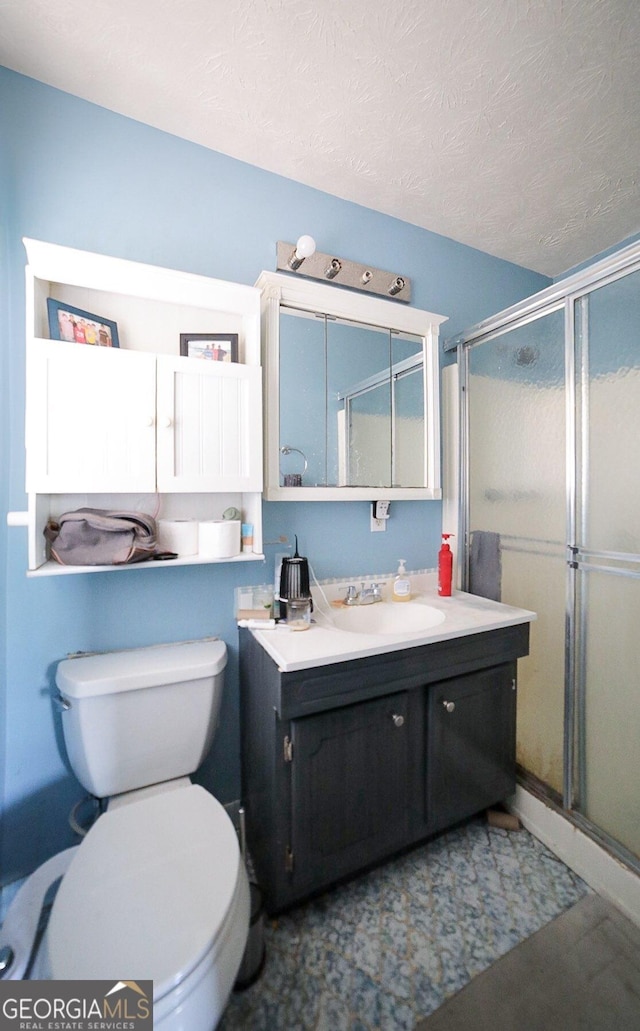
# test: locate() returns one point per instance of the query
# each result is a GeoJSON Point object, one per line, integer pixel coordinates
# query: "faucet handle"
{"type": "Point", "coordinates": [351, 595]}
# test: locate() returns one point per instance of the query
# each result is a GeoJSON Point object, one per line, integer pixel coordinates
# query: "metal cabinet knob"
{"type": "Point", "coordinates": [398, 720]}
{"type": "Point", "coordinates": [449, 706]}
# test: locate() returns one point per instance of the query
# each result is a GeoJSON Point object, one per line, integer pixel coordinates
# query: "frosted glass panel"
{"type": "Point", "coordinates": [517, 492]}
{"type": "Point", "coordinates": [612, 517]}
{"type": "Point", "coordinates": [521, 508]}
{"type": "Point", "coordinates": [609, 538]}
{"type": "Point", "coordinates": [611, 710]}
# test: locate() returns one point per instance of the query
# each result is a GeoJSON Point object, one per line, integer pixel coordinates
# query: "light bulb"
{"type": "Point", "coordinates": [305, 247]}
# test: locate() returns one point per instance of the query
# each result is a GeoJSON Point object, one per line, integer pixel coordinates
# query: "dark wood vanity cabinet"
{"type": "Point", "coordinates": [345, 764]}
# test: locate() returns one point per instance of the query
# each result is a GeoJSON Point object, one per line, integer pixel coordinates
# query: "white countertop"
{"type": "Point", "coordinates": [320, 645]}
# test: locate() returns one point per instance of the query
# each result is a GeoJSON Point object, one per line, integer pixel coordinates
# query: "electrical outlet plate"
{"type": "Point", "coordinates": [379, 515]}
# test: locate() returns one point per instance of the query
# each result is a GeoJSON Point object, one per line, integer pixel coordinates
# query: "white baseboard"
{"type": "Point", "coordinates": [602, 871]}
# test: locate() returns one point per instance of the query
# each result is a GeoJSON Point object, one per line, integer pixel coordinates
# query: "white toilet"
{"type": "Point", "coordinates": [158, 889]}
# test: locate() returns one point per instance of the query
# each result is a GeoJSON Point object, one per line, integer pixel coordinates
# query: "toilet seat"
{"type": "Point", "coordinates": [157, 888]}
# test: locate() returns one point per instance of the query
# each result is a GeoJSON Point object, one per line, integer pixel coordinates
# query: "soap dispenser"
{"type": "Point", "coordinates": [445, 567]}
{"type": "Point", "coordinates": [401, 584]}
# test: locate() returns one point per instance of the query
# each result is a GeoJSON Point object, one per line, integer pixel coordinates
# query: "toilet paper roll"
{"type": "Point", "coordinates": [179, 535]}
{"type": "Point", "coordinates": [219, 538]}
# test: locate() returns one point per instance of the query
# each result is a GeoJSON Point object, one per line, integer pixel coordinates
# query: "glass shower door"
{"type": "Point", "coordinates": [517, 514]}
{"type": "Point", "coordinates": [608, 561]}
{"type": "Point", "coordinates": [550, 391]}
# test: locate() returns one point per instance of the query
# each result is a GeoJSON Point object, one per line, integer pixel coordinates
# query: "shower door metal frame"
{"type": "Point", "coordinates": [570, 294]}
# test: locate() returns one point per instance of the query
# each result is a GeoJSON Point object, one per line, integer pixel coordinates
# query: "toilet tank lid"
{"type": "Point", "coordinates": [87, 676]}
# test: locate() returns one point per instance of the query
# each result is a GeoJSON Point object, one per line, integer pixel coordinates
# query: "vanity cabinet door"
{"type": "Point", "coordinates": [471, 743]}
{"type": "Point", "coordinates": [209, 426]}
{"type": "Point", "coordinates": [94, 422]}
{"type": "Point", "coordinates": [349, 788]}
{"type": "Point", "coordinates": [90, 420]}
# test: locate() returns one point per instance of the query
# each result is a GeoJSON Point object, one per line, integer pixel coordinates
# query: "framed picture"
{"type": "Point", "coordinates": [80, 327]}
{"type": "Point", "coordinates": [213, 347]}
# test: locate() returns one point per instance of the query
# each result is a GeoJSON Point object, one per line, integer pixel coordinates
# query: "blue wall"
{"type": "Point", "coordinates": [78, 175]}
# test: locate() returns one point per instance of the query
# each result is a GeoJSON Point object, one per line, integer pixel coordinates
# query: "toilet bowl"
{"type": "Point", "coordinates": [156, 891]}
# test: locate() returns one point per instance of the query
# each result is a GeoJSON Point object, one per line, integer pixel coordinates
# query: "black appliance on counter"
{"type": "Point", "coordinates": [294, 580]}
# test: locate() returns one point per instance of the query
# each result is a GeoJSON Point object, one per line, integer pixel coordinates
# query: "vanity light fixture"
{"type": "Point", "coordinates": [305, 260]}
{"type": "Point", "coordinates": [304, 248]}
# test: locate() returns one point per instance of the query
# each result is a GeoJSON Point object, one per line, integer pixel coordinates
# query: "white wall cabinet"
{"type": "Point", "coordinates": [105, 420]}
{"type": "Point", "coordinates": [139, 425]}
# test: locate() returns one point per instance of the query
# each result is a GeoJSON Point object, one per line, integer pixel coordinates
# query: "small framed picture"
{"type": "Point", "coordinates": [80, 327]}
{"type": "Point", "coordinates": [213, 347]}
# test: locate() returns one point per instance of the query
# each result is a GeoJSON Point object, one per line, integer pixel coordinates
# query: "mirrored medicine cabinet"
{"type": "Point", "coordinates": [351, 395]}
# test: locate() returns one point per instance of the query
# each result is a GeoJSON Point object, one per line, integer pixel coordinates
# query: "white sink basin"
{"type": "Point", "coordinates": [383, 617]}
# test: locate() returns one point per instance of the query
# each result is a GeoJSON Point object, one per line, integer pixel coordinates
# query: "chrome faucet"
{"type": "Point", "coordinates": [370, 594]}
{"type": "Point", "coordinates": [367, 595]}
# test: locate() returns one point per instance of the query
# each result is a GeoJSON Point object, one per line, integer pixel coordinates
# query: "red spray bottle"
{"type": "Point", "coordinates": [445, 567]}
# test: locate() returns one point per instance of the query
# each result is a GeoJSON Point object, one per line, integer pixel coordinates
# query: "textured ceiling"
{"type": "Point", "coordinates": [509, 125]}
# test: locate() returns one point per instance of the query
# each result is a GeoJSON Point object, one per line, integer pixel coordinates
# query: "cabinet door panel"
{"type": "Point", "coordinates": [471, 743]}
{"type": "Point", "coordinates": [90, 425]}
{"type": "Point", "coordinates": [209, 426]}
{"type": "Point", "coordinates": [349, 787]}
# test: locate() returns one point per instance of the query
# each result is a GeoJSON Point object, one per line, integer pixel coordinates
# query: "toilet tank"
{"type": "Point", "coordinates": [143, 716]}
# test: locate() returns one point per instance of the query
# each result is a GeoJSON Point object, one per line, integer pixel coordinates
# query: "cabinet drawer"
{"type": "Point", "coordinates": [343, 683]}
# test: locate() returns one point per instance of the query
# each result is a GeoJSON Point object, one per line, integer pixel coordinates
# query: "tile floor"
{"type": "Point", "coordinates": [580, 972]}
{"type": "Point", "coordinates": [392, 945]}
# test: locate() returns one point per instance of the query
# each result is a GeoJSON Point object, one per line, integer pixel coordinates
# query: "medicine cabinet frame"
{"type": "Point", "coordinates": [281, 290]}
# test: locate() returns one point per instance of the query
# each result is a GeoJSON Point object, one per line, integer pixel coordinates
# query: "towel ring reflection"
{"type": "Point", "coordinates": [293, 479]}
